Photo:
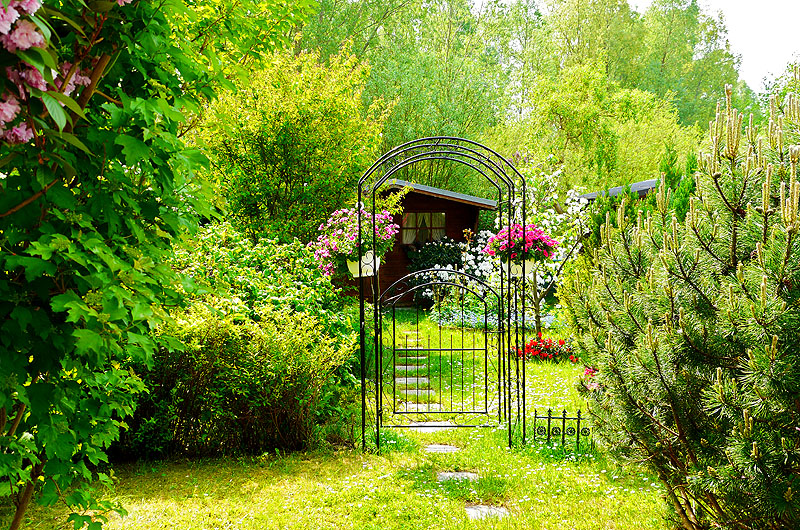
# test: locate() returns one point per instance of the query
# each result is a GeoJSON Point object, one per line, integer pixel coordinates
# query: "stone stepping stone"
{"type": "Point", "coordinates": [420, 407]}
{"type": "Point", "coordinates": [411, 380]}
{"type": "Point", "coordinates": [444, 476]}
{"type": "Point", "coordinates": [417, 392]}
{"type": "Point", "coordinates": [441, 448]}
{"type": "Point", "coordinates": [482, 511]}
{"type": "Point", "coordinates": [431, 426]}
{"type": "Point", "coordinates": [408, 359]}
{"type": "Point", "coordinates": [408, 367]}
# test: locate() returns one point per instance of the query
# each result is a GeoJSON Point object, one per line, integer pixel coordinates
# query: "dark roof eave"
{"type": "Point", "coordinates": [642, 188]}
{"type": "Point", "coordinates": [486, 204]}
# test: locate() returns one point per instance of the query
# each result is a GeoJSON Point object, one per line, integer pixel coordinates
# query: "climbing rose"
{"type": "Point", "coordinates": [23, 37]}
{"type": "Point", "coordinates": [9, 109]}
{"type": "Point", "coordinates": [8, 15]}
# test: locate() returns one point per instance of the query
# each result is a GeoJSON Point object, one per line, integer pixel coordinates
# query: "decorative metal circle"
{"type": "Point", "coordinates": [585, 431]}
{"type": "Point", "coordinates": [555, 431]}
{"type": "Point", "coordinates": [570, 431]}
{"type": "Point", "coordinates": [541, 430]}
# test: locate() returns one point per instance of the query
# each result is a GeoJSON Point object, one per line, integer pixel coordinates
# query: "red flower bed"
{"type": "Point", "coordinates": [541, 349]}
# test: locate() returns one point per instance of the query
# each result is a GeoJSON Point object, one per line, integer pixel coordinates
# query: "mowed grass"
{"type": "Point", "coordinates": [397, 489]}
{"type": "Point", "coordinates": [544, 487]}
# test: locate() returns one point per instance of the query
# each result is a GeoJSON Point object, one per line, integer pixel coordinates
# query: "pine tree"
{"type": "Point", "coordinates": [694, 329]}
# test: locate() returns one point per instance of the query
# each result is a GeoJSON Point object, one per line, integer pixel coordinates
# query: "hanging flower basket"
{"type": "Point", "coordinates": [515, 267]}
{"type": "Point", "coordinates": [339, 241]}
{"type": "Point", "coordinates": [370, 263]}
{"type": "Point", "coordinates": [515, 245]}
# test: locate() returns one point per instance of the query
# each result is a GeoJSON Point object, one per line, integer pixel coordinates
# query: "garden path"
{"type": "Point", "coordinates": [474, 511]}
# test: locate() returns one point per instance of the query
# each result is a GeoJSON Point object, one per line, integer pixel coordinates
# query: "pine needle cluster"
{"type": "Point", "coordinates": [694, 328]}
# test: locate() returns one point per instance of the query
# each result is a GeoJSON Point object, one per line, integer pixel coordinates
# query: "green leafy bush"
{"type": "Point", "coordinates": [289, 144]}
{"type": "Point", "coordinates": [259, 360]}
{"type": "Point", "coordinates": [238, 385]}
{"type": "Point", "coordinates": [694, 331]}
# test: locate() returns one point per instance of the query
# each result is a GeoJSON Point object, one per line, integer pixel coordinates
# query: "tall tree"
{"type": "Point", "coordinates": [289, 144]}
{"type": "Point", "coordinates": [687, 57]}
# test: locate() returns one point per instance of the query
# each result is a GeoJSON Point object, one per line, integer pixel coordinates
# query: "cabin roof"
{"type": "Point", "coordinates": [642, 188]}
{"type": "Point", "coordinates": [486, 204]}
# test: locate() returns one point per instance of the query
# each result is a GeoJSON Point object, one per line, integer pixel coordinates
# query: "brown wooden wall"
{"type": "Point", "coordinates": [458, 217]}
{"type": "Point", "coordinates": [394, 264]}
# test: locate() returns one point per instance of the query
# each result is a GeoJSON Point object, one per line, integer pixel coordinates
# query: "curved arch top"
{"type": "Point", "coordinates": [488, 162]}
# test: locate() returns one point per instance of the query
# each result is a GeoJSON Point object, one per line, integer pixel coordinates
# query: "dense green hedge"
{"type": "Point", "coordinates": [258, 360]}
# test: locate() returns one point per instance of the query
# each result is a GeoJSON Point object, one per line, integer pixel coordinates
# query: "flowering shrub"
{"type": "Point", "coordinates": [517, 243]}
{"type": "Point", "coordinates": [340, 236]}
{"type": "Point", "coordinates": [542, 349]}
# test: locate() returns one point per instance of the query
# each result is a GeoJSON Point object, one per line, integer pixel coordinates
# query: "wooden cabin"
{"type": "Point", "coordinates": [429, 214]}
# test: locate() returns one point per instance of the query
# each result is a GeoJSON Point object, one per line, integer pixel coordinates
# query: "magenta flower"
{"type": "Point", "coordinates": [517, 243]}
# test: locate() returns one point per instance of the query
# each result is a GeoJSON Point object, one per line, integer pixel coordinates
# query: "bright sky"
{"type": "Point", "coordinates": [764, 33]}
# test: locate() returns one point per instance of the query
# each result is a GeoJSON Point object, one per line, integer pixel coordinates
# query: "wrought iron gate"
{"type": "Point", "coordinates": [450, 370]}
{"type": "Point", "coordinates": [464, 372]}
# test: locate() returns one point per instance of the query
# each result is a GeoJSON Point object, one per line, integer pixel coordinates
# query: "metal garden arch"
{"type": "Point", "coordinates": [493, 349]}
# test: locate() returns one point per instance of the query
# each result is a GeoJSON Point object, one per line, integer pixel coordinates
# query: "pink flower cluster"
{"type": "Point", "coordinates": [340, 236]}
{"type": "Point", "coordinates": [24, 34]}
{"type": "Point", "coordinates": [517, 243]}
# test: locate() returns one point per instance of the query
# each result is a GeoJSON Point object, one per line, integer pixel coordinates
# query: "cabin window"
{"type": "Point", "coordinates": [422, 227]}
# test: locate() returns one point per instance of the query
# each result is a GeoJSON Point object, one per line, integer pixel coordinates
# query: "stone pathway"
{"type": "Point", "coordinates": [411, 380]}
{"type": "Point", "coordinates": [482, 511]}
{"type": "Point", "coordinates": [475, 511]}
{"type": "Point", "coordinates": [431, 426]}
{"type": "Point", "coordinates": [441, 448]}
{"type": "Point", "coordinates": [443, 476]}
{"type": "Point", "coordinates": [411, 363]}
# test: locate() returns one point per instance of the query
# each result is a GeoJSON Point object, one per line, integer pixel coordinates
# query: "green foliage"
{"type": "Point", "coordinates": [440, 254]}
{"type": "Point", "coordinates": [240, 385]}
{"type": "Point", "coordinates": [597, 132]}
{"type": "Point", "coordinates": [88, 211]}
{"type": "Point", "coordinates": [223, 264]}
{"type": "Point", "coordinates": [289, 144]}
{"type": "Point", "coordinates": [693, 328]}
{"type": "Point", "coordinates": [261, 357]}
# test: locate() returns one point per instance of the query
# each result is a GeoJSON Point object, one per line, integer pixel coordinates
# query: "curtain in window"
{"type": "Point", "coordinates": [409, 228]}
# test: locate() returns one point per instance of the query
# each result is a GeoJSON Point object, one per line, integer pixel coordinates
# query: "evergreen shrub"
{"type": "Point", "coordinates": [694, 331]}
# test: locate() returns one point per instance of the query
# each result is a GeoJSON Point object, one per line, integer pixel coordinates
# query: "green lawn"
{"type": "Point", "coordinates": [397, 489]}
{"type": "Point", "coordinates": [543, 487]}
